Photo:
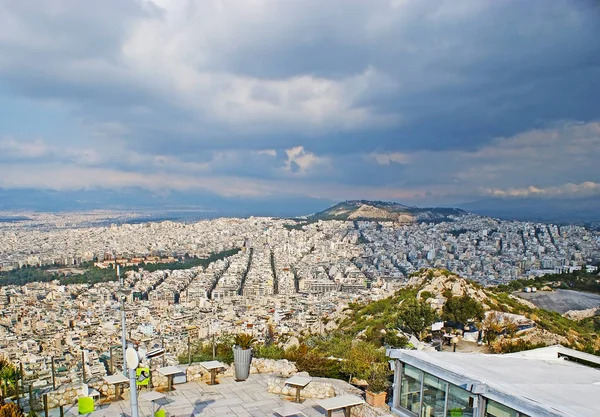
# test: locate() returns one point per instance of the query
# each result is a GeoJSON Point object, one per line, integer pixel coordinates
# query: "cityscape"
{"type": "Point", "coordinates": [275, 208]}
{"type": "Point", "coordinates": [297, 278]}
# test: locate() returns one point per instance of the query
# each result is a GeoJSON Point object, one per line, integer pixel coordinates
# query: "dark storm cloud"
{"type": "Point", "coordinates": [301, 91]}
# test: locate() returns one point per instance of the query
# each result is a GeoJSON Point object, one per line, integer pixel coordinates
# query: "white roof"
{"type": "Point", "coordinates": [541, 385]}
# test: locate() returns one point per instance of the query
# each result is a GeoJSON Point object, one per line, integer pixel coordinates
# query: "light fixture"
{"type": "Point", "coordinates": [133, 360]}
{"type": "Point", "coordinates": [454, 343]}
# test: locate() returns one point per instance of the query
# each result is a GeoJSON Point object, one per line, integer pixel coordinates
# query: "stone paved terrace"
{"type": "Point", "coordinates": [227, 399]}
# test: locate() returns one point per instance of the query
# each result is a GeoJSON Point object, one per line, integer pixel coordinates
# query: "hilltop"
{"type": "Point", "coordinates": [517, 323]}
{"type": "Point", "coordinates": [385, 211]}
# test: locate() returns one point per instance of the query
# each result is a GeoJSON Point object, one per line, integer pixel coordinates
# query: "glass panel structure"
{"type": "Point", "coordinates": [434, 396]}
{"type": "Point", "coordinates": [494, 409]}
{"type": "Point", "coordinates": [460, 402]}
{"type": "Point", "coordinates": [410, 388]}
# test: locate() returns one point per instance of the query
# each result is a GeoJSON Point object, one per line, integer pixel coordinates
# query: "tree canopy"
{"type": "Point", "coordinates": [462, 309]}
{"type": "Point", "coordinates": [415, 316]}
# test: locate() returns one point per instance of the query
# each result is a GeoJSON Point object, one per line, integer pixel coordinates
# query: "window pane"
{"type": "Point", "coordinates": [494, 409]}
{"type": "Point", "coordinates": [460, 402]}
{"type": "Point", "coordinates": [410, 388]}
{"type": "Point", "coordinates": [434, 396]}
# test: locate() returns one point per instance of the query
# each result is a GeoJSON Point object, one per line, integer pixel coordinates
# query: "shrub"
{"type": "Point", "coordinates": [361, 357]}
{"type": "Point", "coordinates": [378, 379]}
{"type": "Point", "coordinates": [314, 362]}
{"type": "Point", "coordinates": [203, 351]}
{"type": "Point", "coordinates": [10, 410]}
{"type": "Point", "coordinates": [244, 340]}
{"type": "Point", "coordinates": [512, 346]}
{"type": "Point", "coordinates": [426, 294]}
{"type": "Point", "coordinates": [393, 339]}
{"type": "Point", "coordinates": [269, 352]}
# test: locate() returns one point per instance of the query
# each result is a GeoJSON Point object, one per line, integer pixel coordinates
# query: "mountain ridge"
{"type": "Point", "coordinates": [386, 211]}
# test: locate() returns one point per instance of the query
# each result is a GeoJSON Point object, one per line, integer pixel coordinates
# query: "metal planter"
{"type": "Point", "coordinates": [241, 360]}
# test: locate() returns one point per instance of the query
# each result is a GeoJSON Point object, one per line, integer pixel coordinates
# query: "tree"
{"type": "Point", "coordinates": [492, 326]}
{"type": "Point", "coordinates": [495, 324]}
{"type": "Point", "coordinates": [462, 309]}
{"type": "Point", "coordinates": [360, 358]}
{"type": "Point", "coordinates": [415, 316]}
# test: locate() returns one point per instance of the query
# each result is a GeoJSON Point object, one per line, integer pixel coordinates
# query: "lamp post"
{"type": "Point", "coordinates": [454, 343]}
{"type": "Point", "coordinates": [122, 293]}
{"type": "Point", "coordinates": [123, 335]}
{"type": "Point", "coordinates": [133, 361]}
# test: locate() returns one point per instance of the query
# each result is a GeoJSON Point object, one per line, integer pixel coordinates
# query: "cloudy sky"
{"type": "Point", "coordinates": [421, 102]}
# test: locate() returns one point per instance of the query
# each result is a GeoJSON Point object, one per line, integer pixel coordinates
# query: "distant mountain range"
{"type": "Point", "coordinates": [385, 211]}
{"type": "Point", "coordinates": [203, 204]}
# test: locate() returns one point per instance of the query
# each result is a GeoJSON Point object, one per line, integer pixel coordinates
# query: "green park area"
{"type": "Point", "coordinates": [87, 273]}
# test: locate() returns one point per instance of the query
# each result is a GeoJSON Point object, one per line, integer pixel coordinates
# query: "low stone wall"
{"type": "Point", "coordinates": [67, 394]}
{"type": "Point", "coordinates": [326, 388]}
{"type": "Point", "coordinates": [368, 411]}
{"type": "Point", "coordinates": [318, 388]}
{"type": "Point", "coordinates": [196, 372]}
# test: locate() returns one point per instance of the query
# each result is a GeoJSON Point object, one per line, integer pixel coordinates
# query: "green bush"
{"type": "Point", "coordinates": [360, 359]}
{"type": "Point", "coordinates": [378, 378]}
{"type": "Point", "coordinates": [314, 362]}
{"type": "Point", "coordinates": [203, 351]}
{"type": "Point", "coordinates": [415, 316]}
{"type": "Point", "coordinates": [426, 294]}
{"type": "Point", "coordinates": [271, 351]}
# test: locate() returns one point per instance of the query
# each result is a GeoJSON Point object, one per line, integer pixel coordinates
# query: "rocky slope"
{"type": "Point", "coordinates": [528, 324]}
{"type": "Point", "coordinates": [385, 211]}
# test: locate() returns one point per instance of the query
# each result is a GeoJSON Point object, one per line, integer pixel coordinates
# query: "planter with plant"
{"type": "Point", "coordinates": [242, 355]}
{"type": "Point", "coordinates": [378, 381]}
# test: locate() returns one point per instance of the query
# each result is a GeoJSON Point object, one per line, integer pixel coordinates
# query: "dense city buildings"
{"type": "Point", "coordinates": [290, 277]}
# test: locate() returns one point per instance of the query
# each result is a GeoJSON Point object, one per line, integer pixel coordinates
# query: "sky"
{"type": "Point", "coordinates": [422, 102]}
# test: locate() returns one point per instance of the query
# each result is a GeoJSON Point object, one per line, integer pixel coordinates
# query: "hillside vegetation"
{"type": "Point", "coordinates": [361, 335]}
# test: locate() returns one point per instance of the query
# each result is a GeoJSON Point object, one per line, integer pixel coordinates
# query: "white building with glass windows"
{"type": "Point", "coordinates": [552, 381]}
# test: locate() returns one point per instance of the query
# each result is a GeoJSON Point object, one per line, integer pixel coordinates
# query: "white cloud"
{"type": "Point", "coordinates": [585, 189]}
{"type": "Point", "coordinates": [300, 161]}
{"type": "Point", "coordinates": [554, 161]}
{"type": "Point", "coordinates": [270, 152]}
{"type": "Point", "coordinates": [12, 147]}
